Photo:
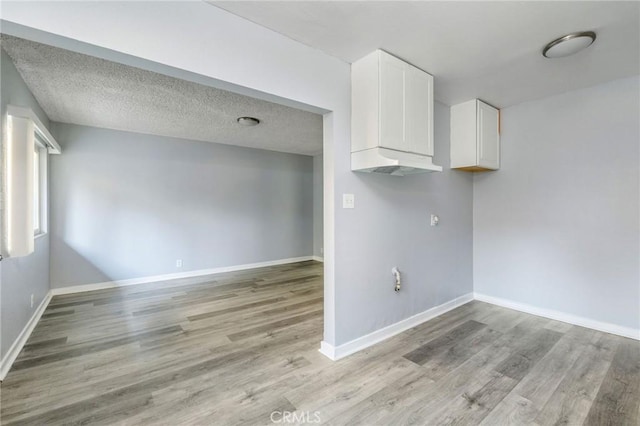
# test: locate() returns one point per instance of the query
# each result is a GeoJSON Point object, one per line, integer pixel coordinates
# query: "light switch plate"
{"type": "Point", "coordinates": [348, 201]}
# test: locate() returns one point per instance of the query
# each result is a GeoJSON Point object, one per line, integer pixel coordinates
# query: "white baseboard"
{"type": "Point", "coordinates": [560, 316]}
{"type": "Point", "coordinates": [18, 344]}
{"type": "Point", "coordinates": [178, 275]}
{"type": "Point", "coordinates": [337, 352]}
{"type": "Point", "coordinates": [318, 258]}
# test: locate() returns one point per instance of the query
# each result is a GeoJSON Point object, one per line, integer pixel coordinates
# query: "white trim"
{"type": "Point", "coordinates": [318, 258]}
{"type": "Point", "coordinates": [177, 275]}
{"type": "Point", "coordinates": [337, 352]}
{"type": "Point", "coordinates": [18, 344]}
{"type": "Point", "coordinates": [328, 350]}
{"type": "Point", "coordinates": [40, 128]}
{"type": "Point", "coordinates": [561, 316]}
{"type": "Point", "coordinates": [330, 134]}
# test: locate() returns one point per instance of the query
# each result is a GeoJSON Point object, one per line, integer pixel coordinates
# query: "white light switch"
{"type": "Point", "coordinates": [348, 201]}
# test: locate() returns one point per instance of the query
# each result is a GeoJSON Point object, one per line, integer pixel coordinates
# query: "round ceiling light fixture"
{"type": "Point", "coordinates": [248, 121]}
{"type": "Point", "coordinates": [569, 44]}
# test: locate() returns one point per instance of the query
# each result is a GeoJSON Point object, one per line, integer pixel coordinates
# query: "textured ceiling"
{"type": "Point", "coordinates": [487, 50]}
{"type": "Point", "coordinates": [81, 89]}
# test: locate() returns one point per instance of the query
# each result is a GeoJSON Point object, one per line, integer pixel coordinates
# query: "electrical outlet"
{"type": "Point", "coordinates": [32, 299]}
{"type": "Point", "coordinates": [435, 220]}
{"type": "Point", "coordinates": [348, 201]}
{"type": "Point", "coordinates": [178, 263]}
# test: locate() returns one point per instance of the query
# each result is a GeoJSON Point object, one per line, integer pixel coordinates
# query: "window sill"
{"type": "Point", "coordinates": [40, 235]}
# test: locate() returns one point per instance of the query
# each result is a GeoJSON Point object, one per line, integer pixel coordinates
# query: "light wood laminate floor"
{"type": "Point", "coordinates": [237, 347]}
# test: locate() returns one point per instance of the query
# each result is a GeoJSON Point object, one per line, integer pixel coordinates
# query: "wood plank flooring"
{"type": "Point", "coordinates": [241, 348]}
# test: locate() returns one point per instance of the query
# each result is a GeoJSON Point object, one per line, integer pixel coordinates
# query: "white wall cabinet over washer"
{"type": "Point", "coordinates": [392, 116]}
{"type": "Point", "coordinates": [475, 136]}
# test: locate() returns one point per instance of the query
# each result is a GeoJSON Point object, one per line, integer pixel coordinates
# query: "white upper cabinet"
{"type": "Point", "coordinates": [475, 136]}
{"type": "Point", "coordinates": [392, 105]}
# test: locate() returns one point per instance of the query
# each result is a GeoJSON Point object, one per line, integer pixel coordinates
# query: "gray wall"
{"type": "Point", "coordinates": [557, 226]}
{"type": "Point", "coordinates": [127, 205]}
{"type": "Point", "coordinates": [390, 227]}
{"type": "Point", "coordinates": [20, 277]}
{"type": "Point", "coordinates": [317, 206]}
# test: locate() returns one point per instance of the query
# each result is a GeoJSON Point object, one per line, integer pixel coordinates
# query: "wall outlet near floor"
{"type": "Point", "coordinates": [32, 299]}
{"type": "Point", "coordinates": [178, 263]}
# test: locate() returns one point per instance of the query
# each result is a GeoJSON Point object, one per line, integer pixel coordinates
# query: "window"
{"type": "Point", "coordinates": [27, 145]}
{"type": "Point", "coordinates": [39, 187]}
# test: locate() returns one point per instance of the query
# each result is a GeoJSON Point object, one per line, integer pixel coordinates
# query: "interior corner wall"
{"type": "Point", "coordinates": [22, 276]}
{"type": "Point", "coordinates": [128, 205]}
{"type": "Point", "coordinates": [557, 227]}
{"type": "Point", "coordinates": [318, 228]}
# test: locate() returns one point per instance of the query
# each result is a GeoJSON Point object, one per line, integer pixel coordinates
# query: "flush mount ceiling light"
{"type": "Point", "coordinates": [569, 44]}
{"type": "Point", "coordinates": [248, 121]}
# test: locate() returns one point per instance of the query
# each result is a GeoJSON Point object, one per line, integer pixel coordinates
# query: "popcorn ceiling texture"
{"type": "Point", "coordinates": [81, 89]}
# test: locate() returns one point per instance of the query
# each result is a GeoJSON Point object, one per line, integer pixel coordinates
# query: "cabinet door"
{"type": "Point", "coordinates": [392, 102]}
{"type": "Point", "coordinates": [488, 137]}
{"type": "Point", "coordinates": [419, 111]}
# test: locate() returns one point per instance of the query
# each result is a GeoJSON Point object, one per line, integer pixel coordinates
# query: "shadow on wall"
{"type": "Point", "coordinates": [80, 264]}
{"type": "Point", "coordinates": [107, 230]}
{"type": "Point", "coordinates": [129, 205]}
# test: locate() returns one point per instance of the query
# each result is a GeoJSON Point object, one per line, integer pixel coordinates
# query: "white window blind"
{"type": "Point", "coordinates": [23, 190]}
{"type": "Point", "coordinates": [37, 196]}
{"type": "Point", "coordinates": [19, 176]}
